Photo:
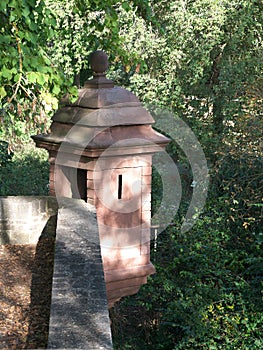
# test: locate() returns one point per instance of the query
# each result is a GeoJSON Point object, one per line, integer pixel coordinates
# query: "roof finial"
{"type": "Point", "coordinates": [99, 64]}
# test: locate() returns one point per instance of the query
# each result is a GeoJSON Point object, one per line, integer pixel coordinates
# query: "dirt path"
{"type": "Point", "coordinates": [25, 293]}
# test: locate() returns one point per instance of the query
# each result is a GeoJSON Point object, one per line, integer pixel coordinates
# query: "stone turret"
{"type": "Point", "coordinates": [100, 149]}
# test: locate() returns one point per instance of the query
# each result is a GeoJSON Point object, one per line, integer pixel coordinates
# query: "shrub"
{"type": "Point", "coordinates": [26, 173]}
{"type": "Point", "coordinates": [207, 292]}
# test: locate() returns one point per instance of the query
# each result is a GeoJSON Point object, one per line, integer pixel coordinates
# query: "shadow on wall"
{"type": "Point", "coordinates": [4, 224]}
{"type": "Point", "coordinates": [41, 287]}
{"type": "Point", "coordinates": [28, 227]}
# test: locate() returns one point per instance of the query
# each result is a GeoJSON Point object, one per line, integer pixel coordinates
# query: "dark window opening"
{"type": "Point", "coordinates": [120, 187]}
{"type": "Point", "coordinates": [82, 183]}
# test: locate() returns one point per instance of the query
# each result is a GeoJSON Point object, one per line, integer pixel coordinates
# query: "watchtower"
{"type": "Point", "coordinates": [100, 149]}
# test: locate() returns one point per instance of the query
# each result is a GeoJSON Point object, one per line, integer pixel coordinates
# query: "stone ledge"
{"type": "Point", "coordinates": [79, 312]}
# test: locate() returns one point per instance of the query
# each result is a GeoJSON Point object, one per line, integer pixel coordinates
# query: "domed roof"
{"type": "Point", "coordinates": [101, 107]}
{"type": "Point", "coordinates": [100, 103]}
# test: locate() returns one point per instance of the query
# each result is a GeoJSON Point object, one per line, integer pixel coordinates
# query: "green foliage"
{"type": "Point", "coordinates": [207, 59]}
{"type": "Point", "coordinates": [201, 59]}
{"type": "Point", "coordinates": [206, 294]}
{"type": "Point", "coordinates": [85, 26]}
{"type": "Point", "coordinates": [5, 156]}
{"type": "Point", "coordinates": [25, 173]}
{"type": "Point", "coordinates": [29, 82]}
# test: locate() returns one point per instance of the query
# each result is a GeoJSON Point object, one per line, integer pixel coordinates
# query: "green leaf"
{"type": "Point", "coordinates": [26, 12]}
{"type": "Point", "coordinates": [126, 6]}
{"type": "Point", "coordinates": [2, 92]}
{"type": "Point", "coordinates": [41, 78]}
{"type": "Point", "coordinates": [73, 91]}
{"type": "Point", "coordinates": [32, 77]}
{"type": "Point", "coordinates": [13, 3]}
{"type": "Point", "coordinates": [5, 39]}
{"type": "Point", "coordinates": [33, 26]}
{"type": "Point", "coordinates": [16, 78]}
{"type": "Point", "coordinates": [6, 73]}
{"type": "Point", "coordinates": [12, 17]}
{"type": "Point", "coordinates": [56, 90]}
{"type": "Point", "coordinates": [3, 4]}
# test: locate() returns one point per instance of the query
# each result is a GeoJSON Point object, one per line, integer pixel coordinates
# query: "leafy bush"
{"type": "Point", "coordinates": [27, 173]}
{"type": "Point", "coordinates": [207, 292]}
{"type": "Point", "coordinates": [5, 155]}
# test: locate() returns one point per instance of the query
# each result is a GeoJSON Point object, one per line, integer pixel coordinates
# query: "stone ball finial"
{"type": "Point", "coordinates": [99, 62]}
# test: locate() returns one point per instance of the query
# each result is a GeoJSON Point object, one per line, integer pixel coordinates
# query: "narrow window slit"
{"type": "Point", "coordinates": [120, 187]}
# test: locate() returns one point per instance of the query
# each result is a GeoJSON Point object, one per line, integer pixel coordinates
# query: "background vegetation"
{"type": "Point", "coordinates": [202, 60]}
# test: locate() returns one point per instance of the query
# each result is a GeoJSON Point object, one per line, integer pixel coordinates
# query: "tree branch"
{"type": "Point", "coordinates": [20, 63]}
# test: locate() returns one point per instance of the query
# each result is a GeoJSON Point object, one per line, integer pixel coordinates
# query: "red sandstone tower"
{"type": "Point", "coordinates": [100, 149]}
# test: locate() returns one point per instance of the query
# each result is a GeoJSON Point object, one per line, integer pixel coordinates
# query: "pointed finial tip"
{"type": "Point", "coordinates": [99, 61]}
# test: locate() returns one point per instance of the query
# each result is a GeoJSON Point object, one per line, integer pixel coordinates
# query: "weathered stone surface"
{"type": "Point", "coordinates": [22, 219]}
{"type": "Point", "coordinates": [99, 98]}
{"type": "Point", "coordinates": [114, 115]}
{"type": "Point", "coordinates": [93, 141]}
{"type": "Point", "coordinates": [79, 312]}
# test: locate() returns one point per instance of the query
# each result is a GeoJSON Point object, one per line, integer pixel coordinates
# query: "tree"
{"type": "Point", "coordinates": [44, 47]}
{"type": "Point", "coordinates": [85, 26]}
{"type": "Point", "coordinates": [207, 292]}
{"type": "Point", "coordinates": [29, 81]}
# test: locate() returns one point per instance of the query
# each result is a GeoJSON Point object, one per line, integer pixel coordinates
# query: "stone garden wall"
{"type": "Point", "coordinates": [22, 219]}
{"type": "Point", "coordinates": [79, 317]}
